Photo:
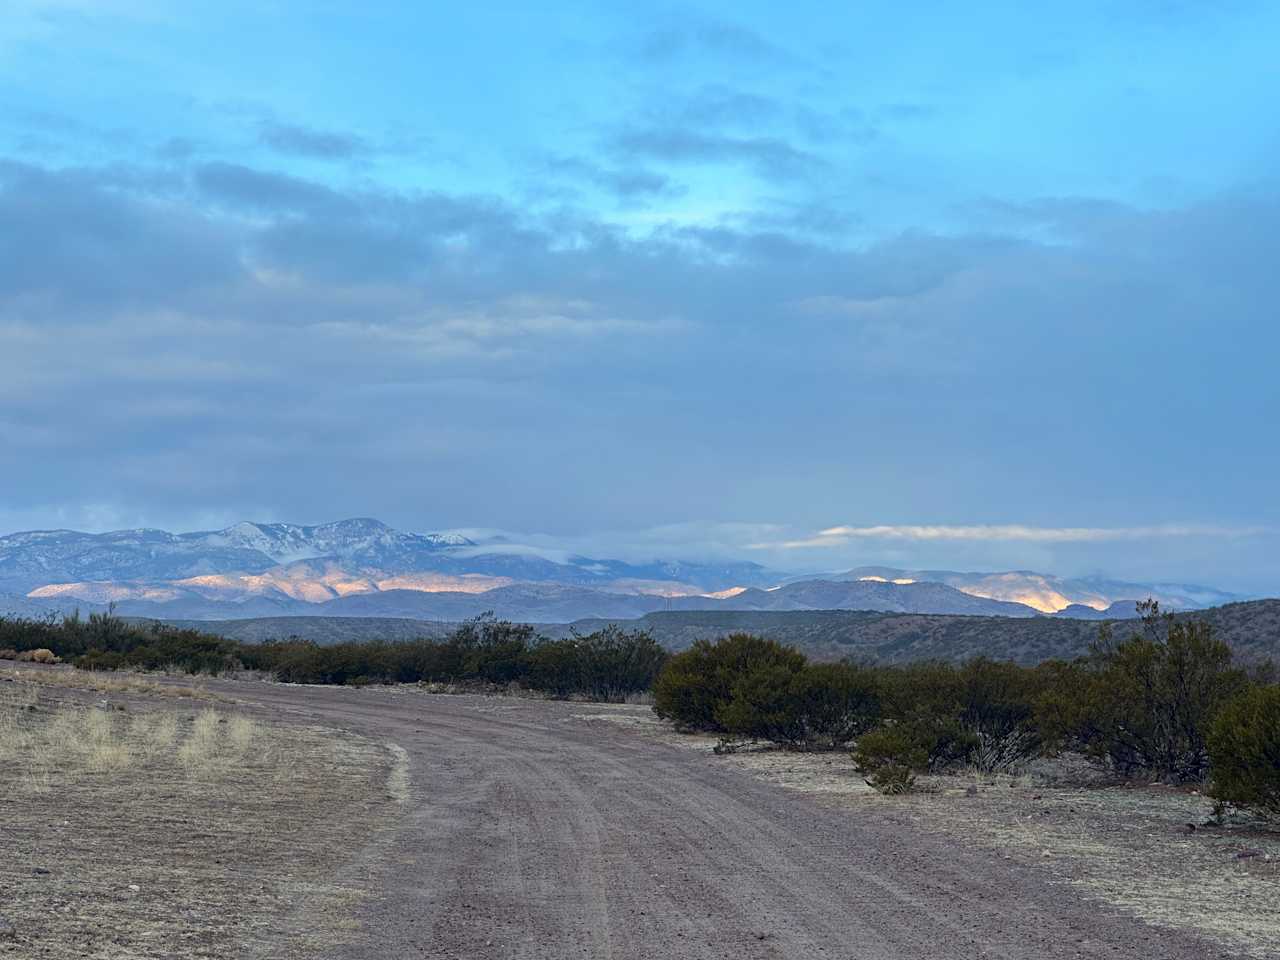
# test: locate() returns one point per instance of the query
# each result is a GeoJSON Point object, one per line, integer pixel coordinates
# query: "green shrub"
{"type": "Point", "coordinates": [890, 756]}
{"type": "Point", "coordinates": [1244, 747]}
{"type": "Point", "coordinates": [982, 712]}
{"type": "Point", "coordinates": [819, 707]}
{"type": "Point", "coordinates": [694, 687]}
{"type": "Point", "coordinates": [100, 660]}
{"type": "Point", "coordinates": [1144, 705]}
{"type": "Point", "coordinates": [606, 665]}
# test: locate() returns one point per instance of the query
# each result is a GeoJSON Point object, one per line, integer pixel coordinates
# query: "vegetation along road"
{"type": "Point", "coordinates": [528, 830]}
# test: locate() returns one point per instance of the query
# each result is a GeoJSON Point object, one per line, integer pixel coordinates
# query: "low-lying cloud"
{"type": "Point", "coordinates": [843, 535]}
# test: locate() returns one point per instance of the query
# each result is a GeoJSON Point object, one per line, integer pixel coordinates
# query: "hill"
{"type": "Point", "coordinates": [325, 630]}
{"type": "Point", "coordinates": [1252, 628]}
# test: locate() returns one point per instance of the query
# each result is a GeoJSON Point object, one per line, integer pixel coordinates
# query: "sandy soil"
{"type": "Point", "coordinates": [515, 828]}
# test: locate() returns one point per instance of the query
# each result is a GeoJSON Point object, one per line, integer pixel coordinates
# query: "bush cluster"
{"type": "Point", "coordinates": [1166, 703]}
{"type": "Point", "coordinates": [609, 664]}
{"type": "Point", "coordinates": [107, 642]}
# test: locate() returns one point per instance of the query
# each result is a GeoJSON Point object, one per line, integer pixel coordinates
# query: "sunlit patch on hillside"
{"type": "Point", "coordinates": [726, 594]}
{"type": "Point", "coordinates": [1032, 590]}
{"type": "Point", "coordinates": [651, 588]}
{"type": "Point", "coordinates": [103, 592]}
{"type": "Point", "coordinates": [900, 581]}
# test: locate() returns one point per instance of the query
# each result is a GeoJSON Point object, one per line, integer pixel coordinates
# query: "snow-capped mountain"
{"type": "Point", "coordinates": [1052, 594]}
{"type": "Point", "coordinates": [53, 556]}
{"type": "Point", "coordinates": [315, 564]}
{"type": "Point", "coordinates": [364, 567]}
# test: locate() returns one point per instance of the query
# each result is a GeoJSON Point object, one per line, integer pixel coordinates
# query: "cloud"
{"type": "Point", "coordinates": [224, 337]}
{"type": "Point", "coordinates": [302, 141]}
{"type": "Point", "coordinates": [625, 183]}
{"type": "Point", "coordinates": [771, 157]}
{"type": "Point", "coordinates": [842, 536]}
{"type": "Point", "coordinates": [266, 191]}
{"type": "Point", "coordinates": [716, 37]}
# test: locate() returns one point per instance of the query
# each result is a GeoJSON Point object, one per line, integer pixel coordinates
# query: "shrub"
{"type": "Point", "coordinates": [694, 687]}
{"type": "Point", "coordinates": [100, 660]}
{"type": "Point", "coordinates": [890, 756]}
{"type": "Point", "coordinates": [1145, 705]}
{"type": "Point", "coordinates": [1244, 746]}
{"type": "Point", "coordinates": [982, 712]}
{"type": "Point", "coordinates": [819, 707]}
{"type": "Point", "coordinates": [605, 665]}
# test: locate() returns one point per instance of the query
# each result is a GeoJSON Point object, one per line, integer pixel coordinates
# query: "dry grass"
{"type": "Point", "coordinates": [104, 682]}
{"type": "Point", "coordinates": [145, 830]}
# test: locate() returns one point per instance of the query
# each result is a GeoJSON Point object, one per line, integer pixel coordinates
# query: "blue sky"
{"type": "Point", "coordinates": [703, 279]}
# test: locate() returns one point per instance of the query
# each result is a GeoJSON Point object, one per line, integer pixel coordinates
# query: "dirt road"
{"type": "Point", "coordinates": [530, 832]}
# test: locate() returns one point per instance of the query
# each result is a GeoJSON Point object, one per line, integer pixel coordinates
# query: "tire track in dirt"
{"type": "Point", "coordinates": [530, 834]}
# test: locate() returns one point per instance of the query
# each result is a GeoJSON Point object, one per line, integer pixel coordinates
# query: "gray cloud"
{"type": "Point", "coordinates": [262, 345]}
{"type": "Point", "coordinates": [718, 37]}
{"type": "Point", "coordinates": [771, 157]}
{"type": "Point", "coordinates": [303, 141]}
{"type": "Point", "coordinates": [70, 235]}
{"type": "Point", "coordinates": [635, 183]}
{"type": "Point", "coordinates": [257, 190]}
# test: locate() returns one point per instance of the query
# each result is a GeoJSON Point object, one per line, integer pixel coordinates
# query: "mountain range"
{"type": "Point", "coordinates": [364, 568]}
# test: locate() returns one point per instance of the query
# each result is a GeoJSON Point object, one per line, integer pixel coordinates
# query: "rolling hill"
{"type": "Point", "coordinates": [1252, 628]}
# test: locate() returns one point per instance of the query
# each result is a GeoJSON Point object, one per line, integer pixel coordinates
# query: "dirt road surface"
{"type": "Point", "coordinates": [529, 832]}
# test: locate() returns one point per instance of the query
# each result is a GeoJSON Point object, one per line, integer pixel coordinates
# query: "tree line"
{"type": "Point", "coordinates": [609, 664]}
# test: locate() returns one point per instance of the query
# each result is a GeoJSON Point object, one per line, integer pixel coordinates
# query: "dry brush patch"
{"type": "Point", "coordinates": [158, 832]}
{"type": "Point", "coordinates": [121, 683]}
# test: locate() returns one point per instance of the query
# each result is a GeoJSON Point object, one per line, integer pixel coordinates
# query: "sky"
{"type": "Point", "coordinates": [982, 286]}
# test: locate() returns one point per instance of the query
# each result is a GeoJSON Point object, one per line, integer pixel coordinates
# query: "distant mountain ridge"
{"type": "Point", "coordinates": [1048, 593]}
{"type": "Point", "coordinates": [364, 568]}
{"type": "Point", "coordinates": [1251, 628]}
{"type": "Point", "coordinates": [39, 558]}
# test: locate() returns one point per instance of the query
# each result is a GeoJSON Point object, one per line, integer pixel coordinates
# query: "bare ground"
{"type": "Point", "coordinates": [142, 826]}
{"type": "Point", "coordinates": [540, 829]}
{"type": "Point", "coordinates": [1149, 849]}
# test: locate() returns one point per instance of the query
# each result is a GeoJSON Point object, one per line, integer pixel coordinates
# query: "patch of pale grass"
{"type": "Point", "coordinates": [202, 743]}
{"type": "Point", "coordinates": [106, 682]}
{"type": "Point", "coordinates": [42, 743]}
{"type": "Point", "coordinates": [217, 742]}
{"type": "Point", "coordinates": [398, 779]}
{"type": "Point", "coordinates": [241, 733]}
{"type": "Point", "coordinates": [153, 734]}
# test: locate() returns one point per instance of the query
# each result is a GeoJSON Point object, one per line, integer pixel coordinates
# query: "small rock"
{"type": "Point", "coordinates": [1249, 854]}
{"type": "Point", "coordinates": [40, 871]}
{"type": "Point", "coordinates": [1188, 828]}
{"type": "Point", "coordinates": [134, 887]}
{"type": "Point", "coordinates": [7, 930]}
{"type": "Point", "coordinates": [1046, 853]}
{"type": "Point", "coordinates": [971, 790]}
